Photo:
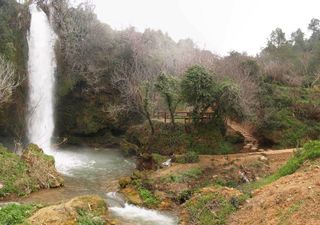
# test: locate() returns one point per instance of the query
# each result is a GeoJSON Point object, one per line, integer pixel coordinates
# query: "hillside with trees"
{"type": "Point", "coordinates": [277, 90]}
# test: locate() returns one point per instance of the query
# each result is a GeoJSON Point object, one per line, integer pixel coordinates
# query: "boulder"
{"type": "Point", "coordinates": [129, 148]}
{"type": "Point", "coordinates": [263, 158]}
{"type": "Point", "coordinates": [21, 175]}
{"type": "Point", "coordinates": [132, 196]}
{"type": "Point", "coordinates": [69, 213]}
{"type": "Point", "coordinates": [124, 181]}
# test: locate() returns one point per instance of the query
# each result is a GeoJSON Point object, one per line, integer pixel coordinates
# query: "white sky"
{"type": "Point", "coordinates": [217, 25]}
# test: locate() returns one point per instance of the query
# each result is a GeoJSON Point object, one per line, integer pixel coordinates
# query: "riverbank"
{"type": "Point", "coordinates": [219, 186]}
{"type": "Point", "coordinates": [33, 171]}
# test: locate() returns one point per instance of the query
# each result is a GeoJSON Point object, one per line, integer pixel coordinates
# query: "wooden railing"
{"type": "Point", "coordinates": [182, 115]}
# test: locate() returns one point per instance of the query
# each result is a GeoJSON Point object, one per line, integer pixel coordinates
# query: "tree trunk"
{"type": "Point", "coordinates": [150, 124]}
{"type": "Point", "coordinates": [172, 119]}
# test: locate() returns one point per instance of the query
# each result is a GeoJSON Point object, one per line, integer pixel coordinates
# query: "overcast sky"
{"type": "Point", "coordinates": [217, 25]}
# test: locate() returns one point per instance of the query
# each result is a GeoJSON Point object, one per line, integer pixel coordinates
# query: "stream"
{"type": "Point", "coordinates": [88, 171]}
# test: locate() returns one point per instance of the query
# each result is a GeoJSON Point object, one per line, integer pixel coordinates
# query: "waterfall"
{"type": "Point", "coordinates": [41, 68]}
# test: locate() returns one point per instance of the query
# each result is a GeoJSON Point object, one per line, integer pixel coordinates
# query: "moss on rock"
{"type": "Point", "coordinates": [41, 167]}
{"type": "Point", "coordinates": [32, 171]}
{"type": "Point", "coordinates": [129, 148]}
{"type": "Point", "coordinates": [132, 195]}
{"type": "Point", "coordinates": [81, 210]}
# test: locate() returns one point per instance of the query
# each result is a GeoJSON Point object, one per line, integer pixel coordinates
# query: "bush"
{"type": "Point", "coordinates": [199, 90]}
{"type": "Point", "coordinates": [159, 159]}
{"type": "Point", "coordinates": [189, 157]}
{"type": "Point", "coordinates": [148, 198]}
{"type": "Point", "coordinates": [184, 196]}
{"type": "Point", "coordinates": [185, 176]}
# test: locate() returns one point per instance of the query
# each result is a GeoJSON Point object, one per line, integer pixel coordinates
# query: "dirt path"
{"type": "Point", "coordinates": [251, 143]}
{"type": "Point", "coordinates": [275, 158]}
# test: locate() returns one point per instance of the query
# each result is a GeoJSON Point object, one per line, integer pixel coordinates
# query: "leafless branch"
{"type": "Point", "coordinates": [8, 80]}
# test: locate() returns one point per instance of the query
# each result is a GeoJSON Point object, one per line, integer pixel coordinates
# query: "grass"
{"type": "Point", "coordinates": [284, 216]}
{"type": "Point", "coordinates": [209, 209]}
{"type": "Point", "coordinates": [310, 151]}
{"type": "Point", "coordinates": [14, 174]}
{"type": "Point", "coordinates": [15, 214]}
{"type": "Point", "coordinates": [148, 197]}
{"type": "Point", "coordinates": [23, 175]}
{"type": "Point", "coordinates": [185, 176]}
{"type": "Point", "coordinates": [189, 157]}
{"type": "Point", "coordinates": [89, 218]}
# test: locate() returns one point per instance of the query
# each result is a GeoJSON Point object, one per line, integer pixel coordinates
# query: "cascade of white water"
{"type": "Point", "coordinates": [41, 68]}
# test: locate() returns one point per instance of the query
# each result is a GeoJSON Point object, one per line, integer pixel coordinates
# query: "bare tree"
{"type": "Point", "coordinates": [232, 67]}
{"type": "Point", "coordinates": [8, 80]}
{"type": "Point", "coordinates": [136, 92]}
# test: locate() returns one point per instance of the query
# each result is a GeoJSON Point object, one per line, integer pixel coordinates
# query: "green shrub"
{"type": "Point", "coordinates": [184, 196]}
{"type": "Point", "coordinates": [159, 159]}
{"type": "Point", "coordinates": [185, 176]}
{"type": "Point", "coordinates": [189, 157]}
{"type": "Point", "coordinates": [290, 115]}
{"type": "Point", "coordinates": [148, 197]}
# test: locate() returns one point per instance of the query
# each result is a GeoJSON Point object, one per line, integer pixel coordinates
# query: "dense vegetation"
{"type": "Point", "coordinates": [14, 23]}
{"type": "Point", "coordinates": [109, 80]}
{"type": "Point", "coordinates": [277, 90]}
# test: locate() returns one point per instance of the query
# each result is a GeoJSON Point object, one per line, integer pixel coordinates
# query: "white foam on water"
{"type": "Point", "coordinates": [141, 216]}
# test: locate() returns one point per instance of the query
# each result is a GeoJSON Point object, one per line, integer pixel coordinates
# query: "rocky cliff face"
{"type": "Point", "coordinates": [83, 117]}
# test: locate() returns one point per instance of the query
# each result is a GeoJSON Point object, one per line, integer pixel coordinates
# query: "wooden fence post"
{"type": "Point", "coordinates": [165, 117]}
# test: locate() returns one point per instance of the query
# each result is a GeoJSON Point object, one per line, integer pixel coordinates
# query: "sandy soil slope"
{"type": "Point", "coordinates": [294, 200]}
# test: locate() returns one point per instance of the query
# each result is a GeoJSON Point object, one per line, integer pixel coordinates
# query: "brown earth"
{"type": "Point", "coordinates": [227, 193]}
{"type": "Point", "coordinates": [175, 181]}
{"type": "Point", "coordinates": [271, 160]}
{"type": "Point", "coordinates": [293, 199]}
